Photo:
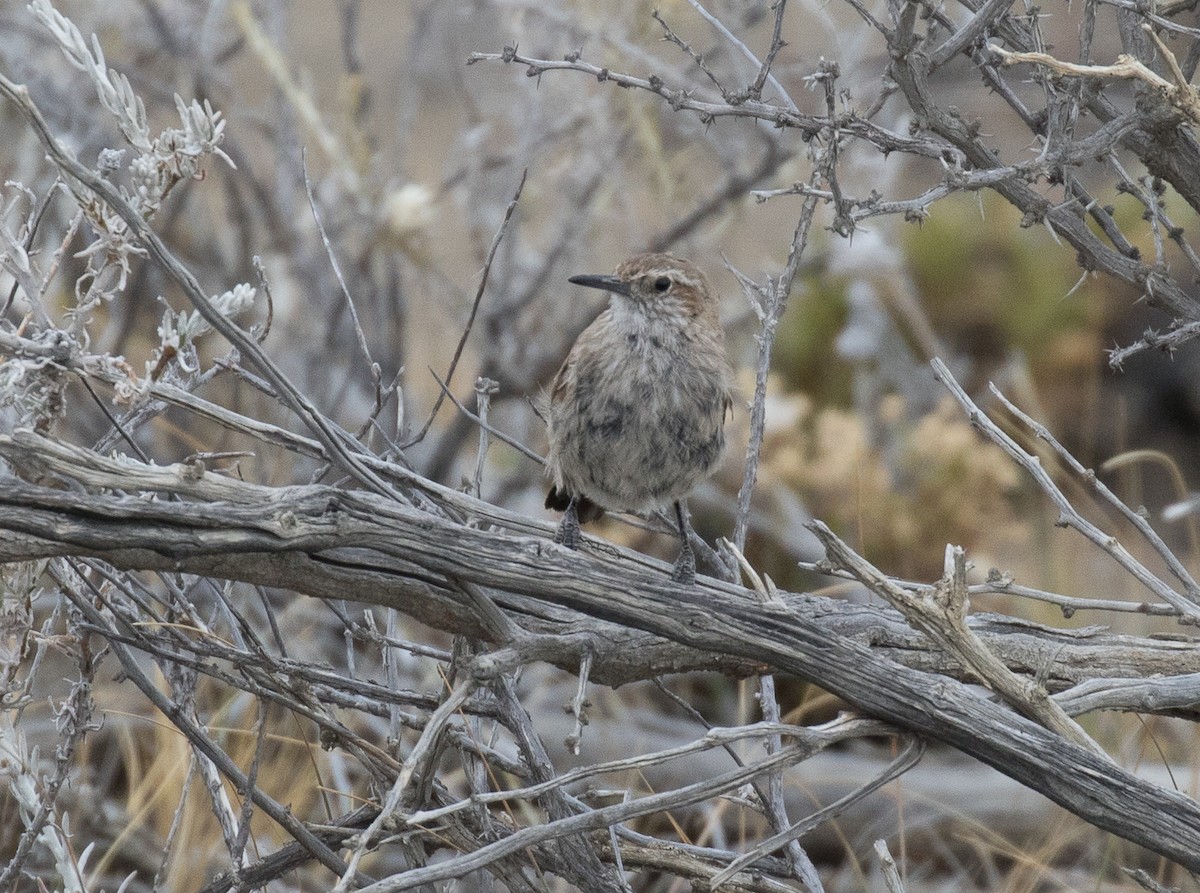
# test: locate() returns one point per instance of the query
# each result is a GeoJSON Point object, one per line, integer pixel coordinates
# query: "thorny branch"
{"type": "Point", "coordinates": [1169, 152]}
{"type": "Point", "coordinates": [1180, 93]}
{"type": "Point", "coordinates": [681, 100]}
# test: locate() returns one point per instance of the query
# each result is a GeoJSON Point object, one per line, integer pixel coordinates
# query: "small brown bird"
{"type": "Point", "coordinates": [637, 411]}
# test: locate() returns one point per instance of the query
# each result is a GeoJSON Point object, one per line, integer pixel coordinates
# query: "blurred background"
{"type": "Point", "coordinates": [412, 157]}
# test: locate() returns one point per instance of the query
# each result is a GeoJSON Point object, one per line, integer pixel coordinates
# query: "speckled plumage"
{"type": "Point", "coordinates": [637, 411]}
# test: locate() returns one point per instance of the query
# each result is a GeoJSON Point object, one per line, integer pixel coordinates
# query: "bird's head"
{"type": "Point", "coordinates": [657, 285]}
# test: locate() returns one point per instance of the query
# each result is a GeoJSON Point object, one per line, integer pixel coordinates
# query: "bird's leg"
{"type": "Point", "coordinates": [568, 530]}
{"type": "Point", "coordinates": [685, 564]}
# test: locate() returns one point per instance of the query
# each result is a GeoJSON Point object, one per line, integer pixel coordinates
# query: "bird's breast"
{"type": "Point", "coordinates": [644, 420]}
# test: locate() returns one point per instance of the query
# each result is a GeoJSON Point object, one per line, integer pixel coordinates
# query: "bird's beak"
{"type": "Point", "coordinates": [605, 283]}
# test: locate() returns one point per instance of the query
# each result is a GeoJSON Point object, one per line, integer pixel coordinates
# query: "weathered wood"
{"type": "Point", "coordinates": [236, 541]}
{"type": "Point", "coordinates": [426, 555]}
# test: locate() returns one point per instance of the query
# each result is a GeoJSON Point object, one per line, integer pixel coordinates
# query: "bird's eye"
{"type": "Point", "coordinates": [662, 283]}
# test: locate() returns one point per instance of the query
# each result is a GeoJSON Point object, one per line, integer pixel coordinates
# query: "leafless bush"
{"type": "Point", "coordinates": [317, 572]}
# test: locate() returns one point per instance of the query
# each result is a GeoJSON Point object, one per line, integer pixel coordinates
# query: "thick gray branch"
{"type": "Point", "coordinates": [427, 556]}
{"type": "Point", "coordinates": [297, 538]}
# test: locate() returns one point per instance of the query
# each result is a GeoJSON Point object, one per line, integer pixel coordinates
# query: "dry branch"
{"type": "Point", "coordinates": [458, 564]}
{"type": "Point", "coordinates": [941, 613]}
{"type": "Point", "coordinates": [432, 554]}
{"type": "Point", "coordinates": [1180, 93]}
{"type": "Point", "coordinates": [310, 557]}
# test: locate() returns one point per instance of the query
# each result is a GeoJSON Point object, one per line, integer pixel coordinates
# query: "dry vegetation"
{"type": "Point", "coordinates": [280, 283]}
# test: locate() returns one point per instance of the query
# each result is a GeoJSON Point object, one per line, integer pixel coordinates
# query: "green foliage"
{"type": "Point", "coordinates": [805, 355]}
{"type": "Point", "coordinates": [980, 274]}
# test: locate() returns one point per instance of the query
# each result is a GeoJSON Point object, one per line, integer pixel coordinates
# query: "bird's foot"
{"type": "Point", "coordinates": [685, 564]}
{"type": "Point", "coordinates": [568, 533]}
{"type": "Point", "coordinates": [568, 536]}
{"type": "Point", "coordinates": [685, 568]}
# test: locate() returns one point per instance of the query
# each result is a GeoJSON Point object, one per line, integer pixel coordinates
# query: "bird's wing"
{"type": "Point", "coordinates": [564, 379]}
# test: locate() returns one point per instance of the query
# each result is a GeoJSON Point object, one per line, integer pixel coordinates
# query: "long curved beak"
{"type": "Point", "coordinates": [605, 283]}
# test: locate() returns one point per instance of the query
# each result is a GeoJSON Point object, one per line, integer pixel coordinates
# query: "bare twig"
{"type": "Point", "coordinates": [462, 341]}
{"type": "Point", "coordinates": [204, 745]}
{"type": "Point", "coordinates": [1180, 94]}
{"type": "Point", "coordinates": [809, 125]}
{"type": "Point", "coordinates": [334, 441]}
{"type": "Point", "coordinates": [599, 818]}
{"type": "Point", "coordinates": [907, 758]}
{"type": "Point", "coordinates": [674, 38]}
{"type": "Point", "coordinates": [772, 792]}
{"type": "Point", "coordinates": [484, 426]}
{"type": "Point", "coordinates": [579, 704]}
{"type": "Point", "coordinates": [983, 19]}
{"type": "Point", "coordinates": [764, 67]}
{"type": "Point", "coordinates": [777, 43]}
{"type": "Point", "coordinates": [1188, 609]}
{"type": "Point", "coordinates": [891, 875]}
{"type": "Point", "coordinates": [774, 297]}
{"type": "Point", "coordinates": [1136, 519]}
{"type": "Point", "coordinates": [485, 389]}
{"type": "Point", "coordinates": [414, 763]}
{"type": "Point", "coordinates": [359, 334]}
{"type": "Point", "coordinates": [940, 611]}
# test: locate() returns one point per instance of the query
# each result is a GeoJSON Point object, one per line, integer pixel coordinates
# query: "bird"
{"type": "Point", "coordinates": [636, 413]}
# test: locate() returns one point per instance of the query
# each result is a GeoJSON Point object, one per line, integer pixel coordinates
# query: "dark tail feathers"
{"type": "Point", "coordinates": [588, 511]}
